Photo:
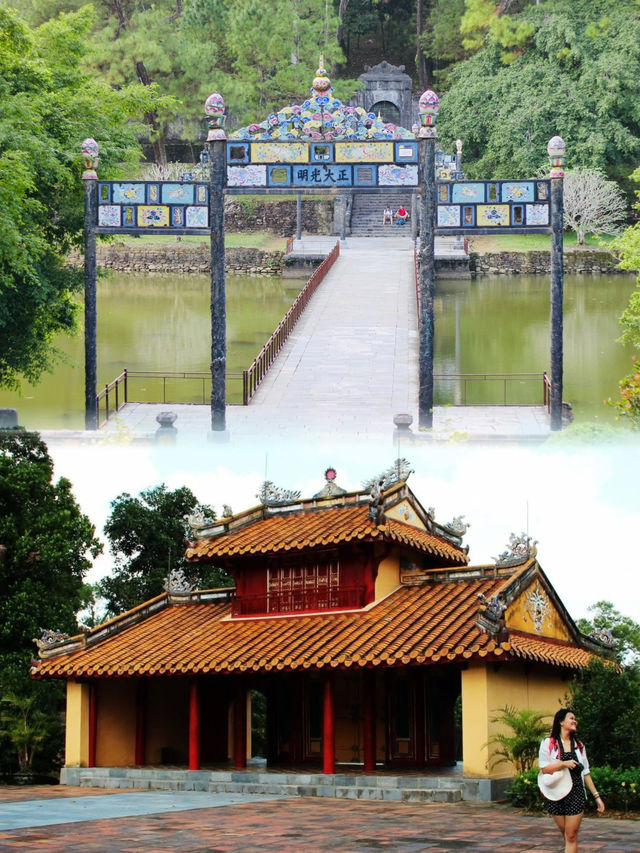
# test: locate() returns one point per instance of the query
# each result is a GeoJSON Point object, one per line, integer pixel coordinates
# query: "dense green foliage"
{"type": "Point", "coordinates": [519, 742]}
{"type": "Point", "coordinates": [607, 704]}
{"type": "Point", "coordinates": [147, 538]}
{"type": "Point", "coordinates": [573, 70]}
{"type": "Point", "coordinates": [46, 545]}
{"type": "Point", "coordinates": [49, 106]}
{"type": "Point", "coordinates": [627, 247]}
{"type": "Point", "coordinates": [619, 788]}
{"type": "Point", "coordinates": [624, 630]}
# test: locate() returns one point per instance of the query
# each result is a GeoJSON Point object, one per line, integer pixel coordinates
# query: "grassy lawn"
{"type": "Point", "coordinates": [530, 242]}
{"type": "Point", "coordinates": [245, 240]}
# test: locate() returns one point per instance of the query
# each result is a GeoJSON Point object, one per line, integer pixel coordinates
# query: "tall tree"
{"type": "Point", "coordinates": [569, 67]}
{"type": "Point", "coordinates": [49, 105]}
{"type": "Point", "coordinates": [147, 539]}
{"type": "Point", "coordinates": [46, 547]}
{"type": "Point", "coordinates": [625, 631]}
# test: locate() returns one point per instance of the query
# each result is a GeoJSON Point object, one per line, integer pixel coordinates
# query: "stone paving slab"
{"type": "Point", "coordinates": [49, 812]}
{"type": "Point", "coordinates": [325, 825]}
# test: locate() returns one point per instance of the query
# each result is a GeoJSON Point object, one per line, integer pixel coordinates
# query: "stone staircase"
{"type": "Point", "coordinates": [404, 788]}
{"type": "Point", "coordinates": [366, 214]}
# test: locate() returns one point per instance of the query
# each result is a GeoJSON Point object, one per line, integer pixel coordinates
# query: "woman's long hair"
{"type": "Point", "coordinates": [557, 719]}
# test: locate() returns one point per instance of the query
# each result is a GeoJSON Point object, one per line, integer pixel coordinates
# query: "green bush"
{"type": "Point", "coordinates": [619, 788]}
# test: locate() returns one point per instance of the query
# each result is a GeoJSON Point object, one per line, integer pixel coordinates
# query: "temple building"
{"type": "Point", "coordinates": [374, 644]}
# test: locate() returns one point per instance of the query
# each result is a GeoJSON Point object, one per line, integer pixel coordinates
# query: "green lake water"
{"type": "Point", "coordinates": [490, 325]}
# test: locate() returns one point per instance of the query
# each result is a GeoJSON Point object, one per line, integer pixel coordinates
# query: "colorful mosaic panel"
{"type": "Point", "coordinates": [364, 152]}
{"type": "Point", "coordinates": [537, 214]}
{"type": "Point", "coordinates": [178, 194]}
{"type": "Point", "coordinates": [448, 215]}
{"type": "Point", "coordinates": [197, 217]}
{"type": "Point", "coordinates": [521, 191]}
{"type": "Point", "coordinates": [406, 152]}
{"type": "Point", "coordinates": [128, 193]}
{"type": "Point", "coordinates": [496, 215]}
{"type": "Point", "coordinates": [153, 216]}
{"type": "Point", "coordinates": [467, 193]}
{"type": "Point", "coordinates": [390, 175]}
{"type": "Point", "coordinates": [322, 176]}
{"type": "Point", "coordinates": [279, 152]}
{"type": "Point", "coordinates": [246, 176]}
{"type": "Point", "coordinates": [109, 215]}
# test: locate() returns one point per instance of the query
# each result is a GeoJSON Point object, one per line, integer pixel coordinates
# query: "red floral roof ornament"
{"type": "Point", "coordinates": [330, 489]}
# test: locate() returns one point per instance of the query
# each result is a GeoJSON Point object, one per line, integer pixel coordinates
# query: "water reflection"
{"type": "Point", "coordinates": [500, 324]}
{"type": "Point", "coordinates": [494, 324]}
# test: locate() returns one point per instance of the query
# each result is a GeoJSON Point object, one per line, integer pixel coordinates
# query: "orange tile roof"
{"type": "Point", "coordinates": [320, 528]}
{"type": "Point", "coordinates": [421, 624]}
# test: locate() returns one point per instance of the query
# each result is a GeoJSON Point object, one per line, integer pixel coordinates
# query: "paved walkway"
{"type": "Point", "coordinates": [290, 825]}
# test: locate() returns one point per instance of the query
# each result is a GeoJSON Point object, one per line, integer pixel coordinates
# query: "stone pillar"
{"type": "Point", "coordinates": [556, 151]}
{"type": "Point", "coordinates": [328, 726]}
{"type": "Point", "coordinates": [214, 109]}
{"type": "Point", "coordinates": [90, 152]}
{"type": "Point", "coordinates": [429, 104]}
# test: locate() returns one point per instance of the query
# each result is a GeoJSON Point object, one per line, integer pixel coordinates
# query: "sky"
{"type": "Point", "coordinates": [582, 506]}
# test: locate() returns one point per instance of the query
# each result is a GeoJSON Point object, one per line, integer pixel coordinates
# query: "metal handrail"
{"type": "Point", "coordinates": [505, 378]}
{"type": "Point", "coordinates": [267, 355]}
{"type": "Point", "coordinates": [117, 393]}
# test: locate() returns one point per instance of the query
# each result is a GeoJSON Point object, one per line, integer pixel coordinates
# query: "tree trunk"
{"type": "Point", "coordinates": [341, 13]}
{"type": "Point", "coordinates": [420, 58]}
{"type": "Point", "coordinates": [157, 139]}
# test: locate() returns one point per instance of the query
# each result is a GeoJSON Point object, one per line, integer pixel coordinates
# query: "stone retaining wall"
{"type": "Point", "coordinates": [576, 261]}
{"type": "Point", "coordinates": [186, 258]}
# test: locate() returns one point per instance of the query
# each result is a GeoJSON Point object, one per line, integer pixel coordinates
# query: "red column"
{"type": "Point", "coordinates": [240, 726]}
{"type": "Point", "coordinates": [328, 727]}
{"type": "Point", "coordinates": [369, 719]}
{"type": "Point", "coordinates": [141, 715]}
{"type": "Point", "coordinates": [194, 726]}
{"type": "Point", "coordinates": [93, 724]}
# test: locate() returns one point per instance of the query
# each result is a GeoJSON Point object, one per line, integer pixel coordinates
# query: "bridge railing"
{"type": "Point", "coordinates": [149, 386]}
{"type": "Point", "coordinates": [478, 389]}
{"type": "Point", "coordinates": [267, 355]}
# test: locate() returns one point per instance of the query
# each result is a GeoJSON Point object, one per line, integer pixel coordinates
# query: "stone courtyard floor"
{"type": "Point", "coordinates": [156, 822]}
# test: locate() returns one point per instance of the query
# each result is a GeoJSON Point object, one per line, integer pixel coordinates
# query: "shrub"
{"type": "Point", "coordinates": [620, 790]}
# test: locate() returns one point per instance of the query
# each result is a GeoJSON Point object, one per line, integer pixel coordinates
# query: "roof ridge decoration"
{"type": "Point", "coordinates": [322, 117]}
{"type": "Point", "coordinates": [330, 489]}
{"type": "Point", "coordinates": [519, 550]}
{"type": "Point", "coordinates": [397, 473]}
{"type": "Point", "coordinates": [177, 584]}
{"type": "Point", "coordinates": [50, 638]}
{"type": "Point", "coordinates": [272, 495]}
{"type": "Point", "coordinates": [490, 616]}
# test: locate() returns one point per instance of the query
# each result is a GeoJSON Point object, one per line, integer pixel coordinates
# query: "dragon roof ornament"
{"type": "Point", "coordinates": [520, 549]}
{"type": "Point", "coordinates": [272, 495]}
{"type": "Point", "coordinates": [322, 118]}
{"type": "Point", "coordinates": [49, 638]}
{"type": "Point", "coordinates": [397, 473]}
{"type": "Point", "coordinates": [177, 583]}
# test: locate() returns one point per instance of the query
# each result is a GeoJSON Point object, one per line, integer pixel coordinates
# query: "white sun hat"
{"type": "Point", "coordinates": [555, 786]}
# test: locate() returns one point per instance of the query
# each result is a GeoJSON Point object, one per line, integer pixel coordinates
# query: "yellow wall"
{"type": "Point", "coordinates": [520, 614]}
{"type": "Point", "coordinates": [486, 688]}
{"type": "Point", "coordinates": [116, 722]}
{"type": "Point", "coordinates": [77, 725]}
{"type": "Point", "coordinates": [388, 576]}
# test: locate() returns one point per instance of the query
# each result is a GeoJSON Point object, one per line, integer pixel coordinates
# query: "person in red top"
{"type": "Point", "coordinates": [402, 214]}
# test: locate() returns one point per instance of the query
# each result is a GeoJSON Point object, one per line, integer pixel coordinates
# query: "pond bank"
{"type": "Point", "coordinates": [188, 258]}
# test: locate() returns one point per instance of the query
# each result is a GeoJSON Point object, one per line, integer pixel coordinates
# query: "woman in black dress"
{"type": "Point", "coordinates": [564, 773]}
